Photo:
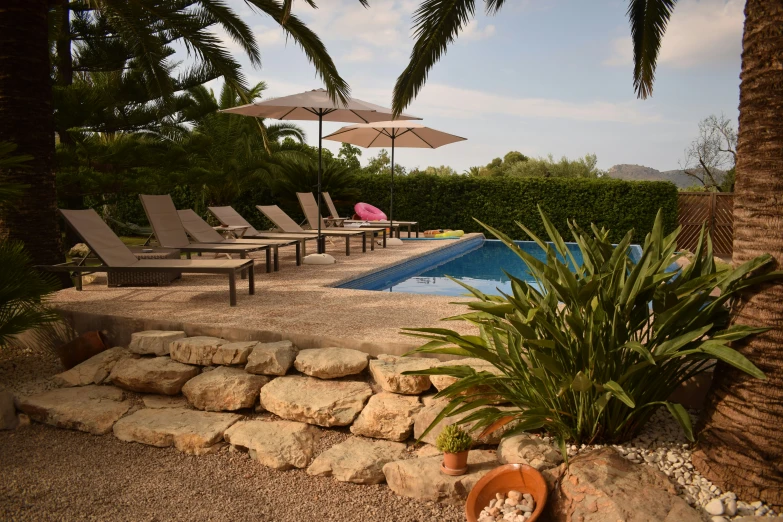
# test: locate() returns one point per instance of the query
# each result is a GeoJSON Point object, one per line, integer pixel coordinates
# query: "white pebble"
{"type": "Point", "coordinates": [714, 507]}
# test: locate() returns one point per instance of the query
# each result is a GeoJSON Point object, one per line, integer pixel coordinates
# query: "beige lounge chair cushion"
{"type": "Point", "coordinates": [99, 237]}
{"type": "Point", "coordinates": [162, 215]}
{"type": "Point", "coordinates": [231, 218]}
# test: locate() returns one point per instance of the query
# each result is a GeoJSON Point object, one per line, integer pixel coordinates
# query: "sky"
{"type": "Point", "coordinates": [540, 77]}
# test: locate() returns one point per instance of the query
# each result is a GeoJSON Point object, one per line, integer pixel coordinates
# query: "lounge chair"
{"type": "Point", "coordinates": [200, 230]}
{"type": "Point", "coordinates": [162, 215]}
{"type": "Point", "coordinates": [284, 222]}
{"type": "Point", "coordinates": [339, 221]}
{"type": "Point", "coordinates": [116, 257]}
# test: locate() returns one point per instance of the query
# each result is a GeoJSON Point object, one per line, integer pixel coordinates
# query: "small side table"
{"type": "Point", "coordinates": [150, 278]}
{"type": "Point", "coordinates": [236, 231]}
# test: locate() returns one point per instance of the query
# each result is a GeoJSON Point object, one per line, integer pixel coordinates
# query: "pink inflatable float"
{"type": "Point", "coordinates": [368, 212]}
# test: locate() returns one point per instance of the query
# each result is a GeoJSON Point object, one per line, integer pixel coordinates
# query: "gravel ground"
{"type": "Point", "coordinates": [54, 474]}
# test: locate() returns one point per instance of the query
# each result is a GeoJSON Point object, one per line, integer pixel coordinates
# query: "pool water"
{"type": "Point", "coordinates": [481, 268]}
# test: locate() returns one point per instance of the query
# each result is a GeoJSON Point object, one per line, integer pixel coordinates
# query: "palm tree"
{"type": "Point", "coordinates": [741, 443]}
{"type": "Point", "coordinates": [145, 27]}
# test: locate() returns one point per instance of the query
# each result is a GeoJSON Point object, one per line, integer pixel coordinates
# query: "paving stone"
{"type": "Point", "coordinates": [315, 401]}
{"type": "Point", "coordinates": [422, 478]}
{"type": "Point", "coordinates": [190, 431]}
{"type": "Point", "coordinates": [196, 350]}
{"type": "Point", "coordinates": [278, 444]}
{"type": "Point", "coordinates": [357, 460]}
{"type": "Point", "coordinates": [153, 342]}
{"type": "Point", "coordinates": [387, 416]}
{"type": "Point", "coordinates": [152, 375]}
{"type": "Point", "coordinates": [93, 409]}
{"type": "Point", "coordinates": [331, 363]}
{"type": "Point", "coordinates": [224, 389]}
{"type": "Point", "coordinates": [387, 372]}
{"type": "Point", "coordinates": [233, 353]}
{"type": "Point", "coordinates": [94, 370]}
{"type": "Point", "coordinates": [271, 358]}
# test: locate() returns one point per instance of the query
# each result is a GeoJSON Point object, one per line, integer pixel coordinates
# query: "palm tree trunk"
{"type": "Point", "coordinates": [26, 119]}
{"type": "Point", "coordinates": [740, 446]}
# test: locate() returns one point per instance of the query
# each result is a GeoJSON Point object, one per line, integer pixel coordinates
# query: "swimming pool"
{"type": "Point", "coordinates": [477, 262]}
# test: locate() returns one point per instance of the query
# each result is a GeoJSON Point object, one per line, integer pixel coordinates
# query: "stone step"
{"type": "Point", "coordinates": [190, 431]}
{"type": "Point", "coordinates": [387, 372]}
{"type": "Point", "coordinates": [357, 460]}
{"type": "Point", "coordinates": [277, 444]}
{"type": "Point", "coordinates": [93, 409]}
{"type": "Point", "coordinates": [331, 363]}
{"type": "Point", "coordinates": [422, 478]}
{"type": "Point", "coordinates": [224, 389]}
{"type": "Point", "coordinates": [94, 370]}
{"type": "Point", "coordinates": [152, 375]}
{"type": "Point", "coordinates": [271, 358]}
{"type": "Point", "coordinates": [315, 401]}
{"type": "Point", "coordinates": [387, 416]}
{"type": "Point", "coordinates": [196, 350]}
{"type": "Point", "coordinates": [154, 342]}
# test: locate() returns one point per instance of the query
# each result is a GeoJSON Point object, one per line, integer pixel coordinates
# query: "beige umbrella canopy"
{"type": "Point", "coordinates": [393, 134]}
{"type": "Point", "coordinates": [316, 105]}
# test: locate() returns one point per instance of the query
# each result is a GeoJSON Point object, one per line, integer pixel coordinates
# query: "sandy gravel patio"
{"type": "Point", "coordinates": [296, 303]}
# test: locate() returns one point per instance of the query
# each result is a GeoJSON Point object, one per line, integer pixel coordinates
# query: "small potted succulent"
{"type": "Point", "coordinates": [455, 444]}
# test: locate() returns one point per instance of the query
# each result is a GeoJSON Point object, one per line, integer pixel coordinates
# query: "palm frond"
{"type": "Point", "coordinates": [648, 23]}
{"type": "Point", "coordinates": [436, 24]}
{"type": "Point", "coordinates": [312, 46]}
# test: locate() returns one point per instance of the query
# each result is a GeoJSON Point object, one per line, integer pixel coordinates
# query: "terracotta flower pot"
{"type": "Point", "coordinates": [80, 349]}
{"type": "Point", "coordinates": [518, 477]}
{"type": "Point", "coordinates": [455, 463]}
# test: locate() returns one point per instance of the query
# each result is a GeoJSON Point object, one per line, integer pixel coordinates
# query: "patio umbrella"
{"type": "Point", "coordinates": [393, 134]}
{"type": "Point", "coordinates": [316, 105]}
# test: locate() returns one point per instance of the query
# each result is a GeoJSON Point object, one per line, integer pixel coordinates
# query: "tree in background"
{"type": "Point", "coordinates": [26, 112]}
{"type": "Point", "coordinates": [712, 154]}
{"type": "Point", "coordinates": [443, 170]}
{"type": "Point", "coordinates": [741, 445]}
{"type": "Point", "coordinates": [381, 165]}
{"type": "Point", "coordinates": [350, 154]}
{"type": "Point", "coordinates": [516, 164]}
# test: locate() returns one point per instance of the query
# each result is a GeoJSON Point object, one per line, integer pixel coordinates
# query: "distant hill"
{"type": "Point", "coordinates": [642, 173]}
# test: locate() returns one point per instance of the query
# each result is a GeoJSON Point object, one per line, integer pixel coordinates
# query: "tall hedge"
{"type": "Point", "coordinates": [453, 202]}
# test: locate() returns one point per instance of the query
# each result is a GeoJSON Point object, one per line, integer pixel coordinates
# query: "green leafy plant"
{"type": "Point", "coordinates": [453, 439]}
{"type": "Point", "coordinates": [599, 340]}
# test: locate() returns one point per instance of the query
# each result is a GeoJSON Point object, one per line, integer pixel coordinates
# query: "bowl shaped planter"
{"type": "Point", "coordinates": [519, 477]}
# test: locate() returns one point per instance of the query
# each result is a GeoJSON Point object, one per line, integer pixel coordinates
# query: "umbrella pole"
{"type": "Point", "coordinates": [391, 194]}
{"type": "Point", "coordinates": [319, 241]}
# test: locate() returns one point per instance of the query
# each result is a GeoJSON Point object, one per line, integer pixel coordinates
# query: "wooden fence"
{"type": "Point", "coordinates": [716, 210]}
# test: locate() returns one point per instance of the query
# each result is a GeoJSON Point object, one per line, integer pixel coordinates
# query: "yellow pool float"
{"type": "Point", "coordinates": [451, 233]}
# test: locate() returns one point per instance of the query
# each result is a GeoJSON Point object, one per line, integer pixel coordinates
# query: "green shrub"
{"type": "Point", "coordinates": [588, 356]}
{"type": "Point", "coordinates": [453, 439]}
{"type": "Point", "coordinates": [454, 201]}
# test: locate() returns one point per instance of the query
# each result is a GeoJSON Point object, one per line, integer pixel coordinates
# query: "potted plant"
{"type": "Point", "coordinates": [455, 444]}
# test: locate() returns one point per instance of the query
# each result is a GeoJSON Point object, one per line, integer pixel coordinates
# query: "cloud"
{"type": "Point", "coordinates": [473, 32]}
{"type": "Point", "coordinates": [268, 36]}
{"type": "Point", "coordinates": [700, 32]}
{"type": "Point", "coordinates": [384, 24]}
{"type": "Point", "coordinates": [358, 54]}
{"type": "Point", "coordinates": [454, 102]}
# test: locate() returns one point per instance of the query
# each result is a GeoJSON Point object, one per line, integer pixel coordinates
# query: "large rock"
{"type": "Point", "coordinates": [357, 460]}
{"type": "Point", "coordinates": [196, 350]}
{"type": "Point", "coordinates": [422, 478]}
{"type": "Point", "coordinates": [94, 370]}
{"type": "Point", "coordinates": [387, 416]}
{"type": "Point", "coordinates": [233, 353]}
{"type": "Point", "coordinates": [602, 485]}
{"type": "Point", "coordinates": [279, 444]}
{"type": "Point", "coordinates": [529, 449]}
{"type": "Point", "coordinates": [433, 407]}
{"type": "Point", "coordinates": [93, 409]}
{"type": "Point", "coordinates": [387, 371]}
{"type": "Point", "coordinates": [152, 375]}
{"type": "Point", "coordinates": [330, 363]}
{"type": "Point", "coordinates": [311, 400]}
{"type": "Point", "coordinates": [271, 358]}
{"type": "Point", "coordinates": [8, 418]}
{"type": "Point", "coordinates": [153, 342]}
{"type": "Point", "coordinates": [190, 431]}
{"type": "Point", "coordinates": [224, 389]}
